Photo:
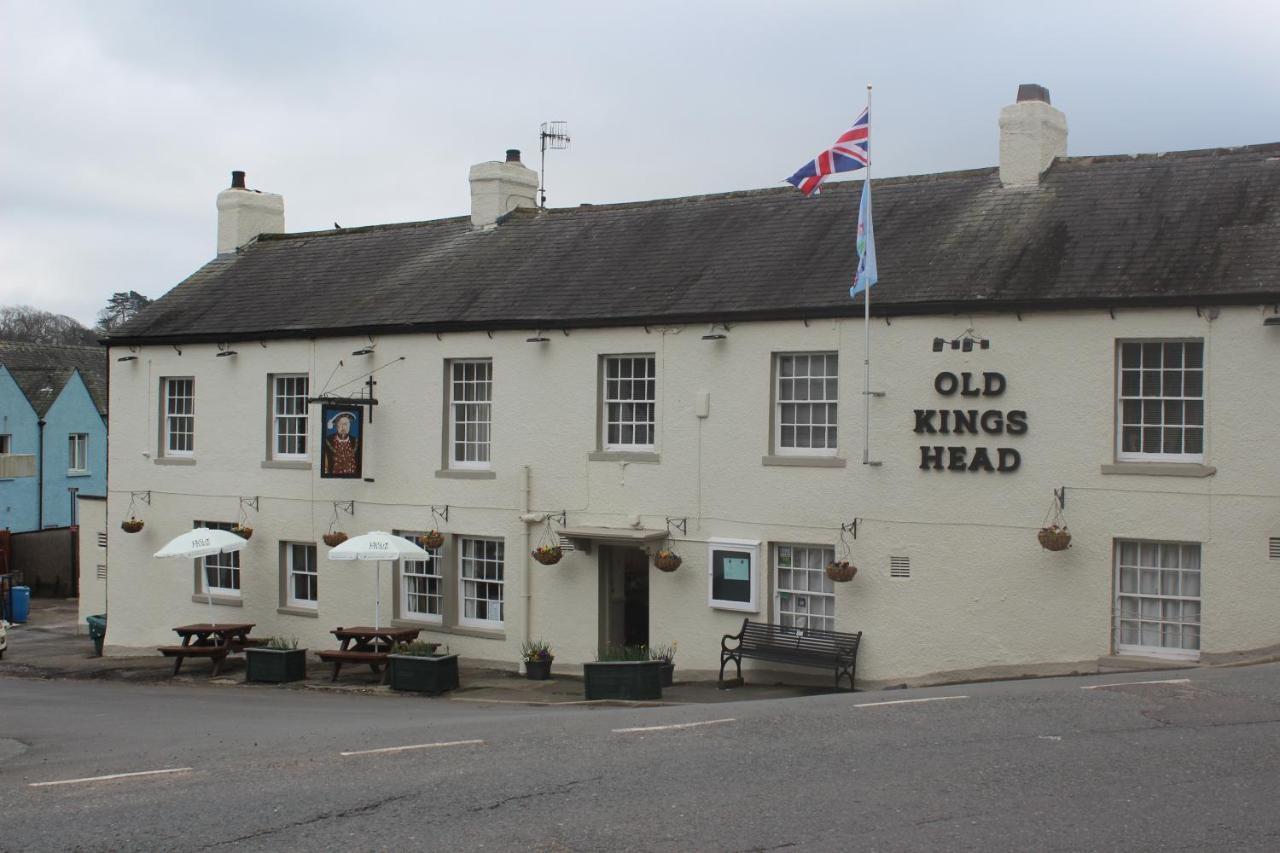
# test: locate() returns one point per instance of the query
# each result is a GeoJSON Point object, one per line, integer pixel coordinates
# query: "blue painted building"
{"type": "Point", "coordinates": [53, 431]}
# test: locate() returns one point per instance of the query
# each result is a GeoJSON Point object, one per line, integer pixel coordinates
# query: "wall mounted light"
{"type": "Point", "coordinates": [363, 351]}
{"type": "Point", "coordinates": [937, 344]}
{"type": "Point", "coordinates": [537, 338]}
{"type": "Point", "coordinates": [127, 358]}
{"type": "Point", "coordinates": [1271, 321]}
{"type": "Point", "coordinates": [713, 335]}
{"type": "Point", "coordinates": [227, 352]}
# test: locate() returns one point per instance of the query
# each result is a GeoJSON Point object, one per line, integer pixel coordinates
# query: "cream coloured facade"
{"type": "Point", "coordinates": [981, 594]}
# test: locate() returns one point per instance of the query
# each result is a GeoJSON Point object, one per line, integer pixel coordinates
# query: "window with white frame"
{"type": "Point", "coordinates": [301, 580]}
{"type": "Point", "coordinates": [77, 453]}
{"type": "Point", "coordinates": [179, 417]}
{"type": "Point", "coordinates": [480, 587]}
{"type": "Point", "coordinates": [421, 596]}
{"type": "Point", "coordinates": [220, 573]}
{"type": "Point", "coordinates": [805, 596]}
{"type": "Point", "coordinates": [289, 416]}
{"type": "Point", "coordinates": [470, 412]}
{"type": "Point", "coordinates": [630, 402]}
{"type": "Point", "coordinates": [805, 412]}
{"type": "Point", "coordinates": [1161, 406]}
{"type": "Point", "coordinates": [1158, 599]}
{"type": "Point", "coordinates": [733, 581]}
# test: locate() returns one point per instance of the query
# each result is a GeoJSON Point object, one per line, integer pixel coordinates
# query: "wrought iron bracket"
{"type": "Point", "coordinates": [561, 516]}
{"type": "Point", "coordinates": [1060, 495]}
{"type": "Point", "coordinates": [851, 527]}
{"type": "Point", "coordinates": [252, 502]}
{"type": "Point", "coordinates": [145, 497]}
{"type": "Point", "coordinates": [349, 507]}
{"type": "Point", "coordinates": [681, 524]}
{"type": "Point", "coordinates": [441, 512]}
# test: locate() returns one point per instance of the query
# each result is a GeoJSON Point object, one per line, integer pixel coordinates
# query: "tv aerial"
{"type": "Point", "coordinates": [554, 135]}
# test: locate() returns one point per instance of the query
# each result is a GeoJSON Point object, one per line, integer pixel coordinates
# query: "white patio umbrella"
{"type": "Point", "coordinates": [377, 545]}
{"type": "Point", "coordinates": [203, 542]}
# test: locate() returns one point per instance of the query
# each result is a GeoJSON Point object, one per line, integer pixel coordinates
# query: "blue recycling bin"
{"type": "Point", "coordinates": [20, 603]}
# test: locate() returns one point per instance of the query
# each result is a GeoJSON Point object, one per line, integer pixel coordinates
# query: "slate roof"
{"type": "Point", "coordinates": [41, 371]}
{"type": "Point", "coordinates": [1191, 227]}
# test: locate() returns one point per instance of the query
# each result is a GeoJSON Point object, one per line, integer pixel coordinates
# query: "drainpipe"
{"type": "Point", "coordinates": [40, 479]}
{"type": "Point", "coordinates": [528, 575]}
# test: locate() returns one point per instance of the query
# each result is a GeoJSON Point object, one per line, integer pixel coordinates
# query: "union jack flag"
{"type": "Point", "coordinates": [849, 153]}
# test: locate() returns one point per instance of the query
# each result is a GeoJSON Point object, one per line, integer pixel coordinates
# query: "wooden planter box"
{"type": "Point", "coordinates": [275, 666]}
{"type": "Point", "coordinates": [432, 675]}
{"type": "Point", "coordinates": [640, 679]}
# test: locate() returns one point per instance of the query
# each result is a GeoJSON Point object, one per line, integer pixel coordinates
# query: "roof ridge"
{"type": "Point", "coordinates": [364, 229]}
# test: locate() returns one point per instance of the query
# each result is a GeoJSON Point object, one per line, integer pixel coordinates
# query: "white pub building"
{"type": "Point", "coordinates": [1090, 339]}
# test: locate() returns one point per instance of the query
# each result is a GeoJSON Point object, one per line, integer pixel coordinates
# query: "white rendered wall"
{"type": "Point", "coordinates": [92, 515]}
{"type": "Point", "coordinates": [982, 592]}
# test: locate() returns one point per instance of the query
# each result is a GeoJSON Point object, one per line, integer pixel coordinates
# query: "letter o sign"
{"type": "Point", "coordinates": [946, 383]}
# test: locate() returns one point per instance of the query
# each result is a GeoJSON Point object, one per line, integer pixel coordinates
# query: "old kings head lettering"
{"type": "Point", "coordinates": [979, 390]}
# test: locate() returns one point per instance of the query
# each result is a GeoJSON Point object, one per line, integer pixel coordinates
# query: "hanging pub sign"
{"type": "Point", "coordinates": [341, 452]}
{"type": "Point", "coordinates": [965, 421]}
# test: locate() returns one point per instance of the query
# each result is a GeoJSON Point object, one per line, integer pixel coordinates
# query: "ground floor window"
{"type": "Point", "coordinates": [480, 570]}
{"type": "Point", "coordinates": [805, 596]}
{"type": "Point", "coordinates": [421, 596]}
{"type": "Point", "coordinates": [220, 573]}
{"type": "Point", "coordinates": [301, 580]}
{"type": "Point", "coordinates": [1158, 599]}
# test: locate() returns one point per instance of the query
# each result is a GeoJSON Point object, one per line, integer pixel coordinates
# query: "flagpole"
{"type": "Point", "coordinates": [866, 305]}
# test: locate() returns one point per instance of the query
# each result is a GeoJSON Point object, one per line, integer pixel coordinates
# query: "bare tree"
{"type": "Point", "coordinates": [24, 323]}
{"type": "Point", "coordinates": [121, 308]}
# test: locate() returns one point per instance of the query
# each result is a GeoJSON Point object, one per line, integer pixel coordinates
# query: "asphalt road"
{"type": "Point", "coordinates": [1192, 763]}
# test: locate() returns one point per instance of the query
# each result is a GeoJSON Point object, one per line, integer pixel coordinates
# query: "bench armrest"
{"type": "Point", "coordinates": [738, 636]}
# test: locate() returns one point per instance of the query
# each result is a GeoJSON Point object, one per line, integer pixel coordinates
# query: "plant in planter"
{"type": "Point", "coordinates": [667, 560]}
{"type": "Point", "coordinates": [1054, 538]}
{"type": "Point", "coordinates": [625, 672]}
{"type": "Point", "coordinates": [131, 525]}
{"type": "Point", "coordinates": [419, 667]}
{"type": "Point", "coordinates": [334, 538]}
{"type": "Point", "coordinates": [548, 555]}
{"type": "Point", "coordinates": [841, 571]}
{"type": "Point", "coordinates": [244, 531]}
{"type": "Point", "coordinates": [432, 539]}
{"type": "Point", "coordinates": [279, 661]}
{"type": "Point", "coordinates": [667, 655]}
{"type": "Point", "coordinates": [537, 659]}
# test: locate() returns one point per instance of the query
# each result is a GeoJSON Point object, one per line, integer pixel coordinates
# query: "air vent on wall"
{"type": "Point", "coordinates": [1273, 548]}
{"type": "Point", "coordinates": [566, 544]}
{"type": "Point", "coordinates": [899, 567]}
{"type": "Point", "coordinates": [102, 571]}
{"type": "Point", "coordinates": [102, 539]}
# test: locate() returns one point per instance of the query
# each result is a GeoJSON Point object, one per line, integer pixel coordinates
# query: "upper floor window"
{"type": "Point", "coordinates": [179, 417]}
{"type": "Point", "coordinates": [470, 412]}
{"type": "Point", "coordinates": [630, 402]}
{"type": "Point", "coordinates": [77, 453]}
{"type": "Point", "coordinates": [289, 416]}
{"type": "Point", "coordinates": [1161, 407]}
{"type": "Point", "coordinates": [805, 411]}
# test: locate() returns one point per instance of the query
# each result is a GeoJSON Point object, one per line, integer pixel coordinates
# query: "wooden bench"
{"type": "Point", "coordinates": [218, 654]}
{"type": "Point", "coordinates": [340, 656]}
{"type": "Point", "coordinates": [799, 646]}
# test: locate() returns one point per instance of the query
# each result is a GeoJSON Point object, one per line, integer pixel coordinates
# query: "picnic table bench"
{"type": "Point", "coordinates": [799, 646]}
{"type": "Point", "coordinates": [365, 645]}
{"type": "Point", "coordinates": [210, 641]}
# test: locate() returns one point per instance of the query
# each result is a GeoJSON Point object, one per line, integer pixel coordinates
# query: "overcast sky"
{"type": "Point", "coordinates": [120, 121]}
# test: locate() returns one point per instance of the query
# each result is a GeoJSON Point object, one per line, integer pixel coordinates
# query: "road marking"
{"type": "Point", "coordinates": [108, 777]}
{"type": "Point", "coordinates": [414, 746]}
{"type": "Point", "coordinates": [674, 726]}
{"type": "Point", "coordinates": [1049, 737]}
{"type": "Point", "coordinates": [1131, 683]}
{"type": "Point", "coordinates": [909, 701]}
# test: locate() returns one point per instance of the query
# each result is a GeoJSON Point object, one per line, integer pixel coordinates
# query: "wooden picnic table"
{"type": "Point", "coordinates": [362, 644]}
{"type": "Point", "coordinates": [211, 641]}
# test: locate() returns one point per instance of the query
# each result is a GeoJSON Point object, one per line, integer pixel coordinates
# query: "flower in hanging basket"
{"type": "Point", "coordinates": [242, 530]}
{"type": "Point", "coordinates": [548, 555]}
{"type": "Point", "coordinates": [432, 540]}
{"type": "Point", "coordinates": [1054, 538]}
{"type": "Point", "coordinates": [131, 525]}
{"type": "Point", "coordinates": [841, 571]}
{"type": "Point", "coordinates": [334, 538]}
{"type": "Point", "coordinates": [667, 560]}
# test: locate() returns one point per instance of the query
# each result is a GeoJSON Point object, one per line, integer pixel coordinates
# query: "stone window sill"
{"type": "Point", "coordinates": [174, 460]}
{"type": "Point", "coordinates": [79, 473]}
{"type": "Point", "coordinates": [458, 630]}
{"type": "Point", "coordinates": [291, 464]}
{"type": "Point", "coordinates": [624, 456]}
{"type": "Point", "coordinates": [299, 611]}
{"type": "Point", "coordinates": [466, 474]}
{"type": "Point", "coordinates": [1160, 469]}
{"type": "Point", "coordinates": [219, 600]}
{"type": "Point", "coordinates": [804, 461]}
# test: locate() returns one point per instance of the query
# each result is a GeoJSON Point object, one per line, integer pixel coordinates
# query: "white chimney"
{"type": "Point", "coordinates": [1032, 133]}
{"type": "Point", "coordinates": [244, 214]}
{"type": "Point", "coordinates": [500, 187]}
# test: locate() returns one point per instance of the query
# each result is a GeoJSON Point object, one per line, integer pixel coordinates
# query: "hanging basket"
{"type": "Point", "coordinates": [841, 571]}
{"type": "Point", "coordinates": [548, 555]}
{"type": "Point", "coordinates": [334, 538]}
{"type": "Point", "coordinates": [432, 540]}
{"type": "Point", "coordinates": [242, 530]}
{"type": "Point", "coordinates": [667, 561]}
{"type": "Point", "coordinates": [1054, 538]}
{"type": "Point", "coordinates": [131, 525]}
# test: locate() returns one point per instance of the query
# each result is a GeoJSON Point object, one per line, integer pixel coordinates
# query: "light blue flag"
{"type": "Point", "coordinates": [867, 273]}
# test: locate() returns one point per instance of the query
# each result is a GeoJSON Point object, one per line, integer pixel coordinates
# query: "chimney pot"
{"type": "Point", "coordinates": [1033, 92]}
{"type": "Point", "coordinates": [237, 180]}
{"type": "Point", "coordinates": [242, 215]}
{"type": "Point", "coordinates": [499, 187]}
{"type": "Point", "coordinates": [513, 155]}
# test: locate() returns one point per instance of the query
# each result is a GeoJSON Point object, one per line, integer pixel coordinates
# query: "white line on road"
{"type": "Point", "coordinates": [674, 726]}
{"type": "Point", "coordinates": [909, 701]}
{"type": "Point", "coordinates": [108, 777]}
{"type": "Point", "coordinates": [1130, 683]}
{"type": "Point", "coordinates": [415, 746]}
